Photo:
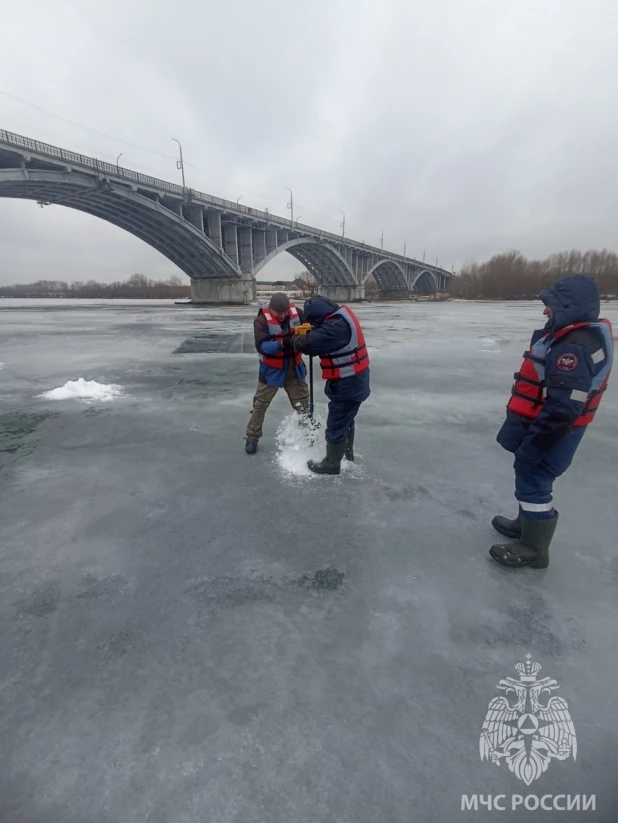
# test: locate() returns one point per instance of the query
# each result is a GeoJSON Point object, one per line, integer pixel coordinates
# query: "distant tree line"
{"type": "Point", "coordinates": [305, 283]}
{"type": "Point", "coordinates": [511, 276]}
{"type": "Point", "coordinates": [137, 286]}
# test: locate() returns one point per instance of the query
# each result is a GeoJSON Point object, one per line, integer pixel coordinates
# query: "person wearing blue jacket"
{"type": "Point", "coordinates": [280, 366]}
{"type": "Point", "coordinates": [555, 396]}
{"type": "Point", "coordinates": [337, 338]}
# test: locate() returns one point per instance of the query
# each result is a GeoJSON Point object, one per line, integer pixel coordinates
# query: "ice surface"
{"type": "Point", "coordinates": [164, 652]}
{"type": "Point", "coordinates": [489, 344]}
{"type": "Point", "coordinates": [81, 389]}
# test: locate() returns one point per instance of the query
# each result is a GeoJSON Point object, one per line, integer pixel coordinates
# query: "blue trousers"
{"type": "Point", "coordinates": [341, 415]}
{"type": "Point", "coordinates": [534, 489]}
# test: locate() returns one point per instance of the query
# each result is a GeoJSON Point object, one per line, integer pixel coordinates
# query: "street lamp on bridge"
{"type": "Point", "coordinates": [117, 159]}
{"type": "Point", "coordinates": [382, 240]}
{"type": "Point", "coordinates": [342, 224]}
{"type": "Point", "coordinates": [291, 204]}
{"type": "Point", "coordinates": [179, 163]}
{"type": "Point", "coordinates": [238, 199]}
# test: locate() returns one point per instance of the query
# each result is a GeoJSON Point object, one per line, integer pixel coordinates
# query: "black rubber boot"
{"type": "Point", "coordinates": [506, 527]}
{"type": "Point", "coordinates": [332, 462]}
{"type": "Point", "coordinates": [349, 449]}
{"type": "Point", "coordinates": [533, 547]}
{"type": "Point", "coordinates": [251, 446]}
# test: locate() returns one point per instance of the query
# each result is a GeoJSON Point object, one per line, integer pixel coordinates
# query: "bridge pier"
{"type": "Point", "coordinates": [343, 294]}
{"type": "Point", "coordinates": [223, 290]}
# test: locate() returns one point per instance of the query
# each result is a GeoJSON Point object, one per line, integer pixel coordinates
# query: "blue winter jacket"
{"type": "Point", "coordinates": [328, 336]}
{"type": "Point", "coordinates": [266, 345]}
{"type": "Point", "coordinates": [551, 439]}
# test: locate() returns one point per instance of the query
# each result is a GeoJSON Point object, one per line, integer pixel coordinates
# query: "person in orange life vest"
{"type": "Point", "coordinates": [280, 367]}
{"type": "Point", "coordinates": [338, 339]}
{"type": "Point", "coordinates": [555, 396]}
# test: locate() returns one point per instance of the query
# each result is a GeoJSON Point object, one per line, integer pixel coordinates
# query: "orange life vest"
{"type": "Point", "coordinates": [352, 358]}
{"type": "Point", "coordinates": [278, 361]}
{"type": "Point", "coordinates": [529, 390]}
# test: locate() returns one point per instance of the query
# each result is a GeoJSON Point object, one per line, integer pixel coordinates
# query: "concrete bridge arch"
{"type": "Point", "coordinates": [220, 245]}
{"type": "Point", "coordinates": [424, 281]}
{"type": "Point", "coordinates": [321, 259]}
{"type": "Point", "coordinates": [389, 276]}
{"type": "Point", "coordinates": [163, 229]}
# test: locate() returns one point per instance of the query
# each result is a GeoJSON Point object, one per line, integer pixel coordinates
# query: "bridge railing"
{"type": "Point", "coordinates": [110, 168]}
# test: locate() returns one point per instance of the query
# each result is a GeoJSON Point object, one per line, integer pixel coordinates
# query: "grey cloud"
{"type": "Point", "coordinates": [463, 128]}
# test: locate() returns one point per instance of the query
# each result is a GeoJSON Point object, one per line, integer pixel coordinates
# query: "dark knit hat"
{"type": "Point", "coordinates": [279, 302]}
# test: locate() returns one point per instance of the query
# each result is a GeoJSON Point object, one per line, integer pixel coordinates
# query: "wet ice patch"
{"type": "Point", "coordinates": [88, 390]}
{"type": "Point", "coordinates": [489, 344]}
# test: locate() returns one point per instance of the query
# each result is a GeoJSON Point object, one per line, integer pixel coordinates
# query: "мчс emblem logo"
{"type": "Point", "coordinates": [523, 730]}
{"type": "Point", "coordinates": [567, 362]}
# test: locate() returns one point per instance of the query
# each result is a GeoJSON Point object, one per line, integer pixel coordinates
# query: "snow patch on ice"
{"type": "Point", "coordinates": [88, 390]}
{"type": "Point", "coordinates": [489, 344]}
{"type": "Point", "coordinates": [296, 444]}
{"type": "Point", "coordinates": [1, 366]}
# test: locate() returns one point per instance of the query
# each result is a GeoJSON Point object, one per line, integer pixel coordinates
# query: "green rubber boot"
{"type": "Point", "coordinates": [532, 549]}
{"type": "Point", "coordinates": [332, 462]}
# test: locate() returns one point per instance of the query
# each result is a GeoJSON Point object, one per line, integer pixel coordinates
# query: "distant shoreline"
{"type": "Point", "coordinates": [72, 297]}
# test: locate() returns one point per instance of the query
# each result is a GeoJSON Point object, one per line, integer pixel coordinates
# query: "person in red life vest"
{"type": "Point", "coordinates": [556, 394]}
{"type": "Point", "coordinates": [338, 339]}
{"type": "Point", "coordinates": [280, 367]}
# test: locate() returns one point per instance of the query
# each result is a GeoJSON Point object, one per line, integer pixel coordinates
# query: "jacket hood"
{"type": "Point", "coordinates": [573, 299]}
{"type": "Point", "coordinates": [318, 308]}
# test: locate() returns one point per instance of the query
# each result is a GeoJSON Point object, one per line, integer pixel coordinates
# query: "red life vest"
{"type": "Point", "coordinates": [529, 390]}
{"type": "Point", "coordinates": [278, 361]}
{"type": "Point", "coordinates": [352, 358]}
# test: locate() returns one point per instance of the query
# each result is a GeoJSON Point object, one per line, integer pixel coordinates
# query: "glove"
{"type": "Point", "coordinates": [287, 342]}
{"type": "Point", "coordinates": [303, 329]}
{"type": "Point", "coordinates": [271, 346]}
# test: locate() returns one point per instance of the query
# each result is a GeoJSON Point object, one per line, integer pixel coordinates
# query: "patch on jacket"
{"type": "Point", "coordinates": [567, 362]}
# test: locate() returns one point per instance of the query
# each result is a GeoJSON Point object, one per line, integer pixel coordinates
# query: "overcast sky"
{"type": "Point", "coordinates": [462, 127]}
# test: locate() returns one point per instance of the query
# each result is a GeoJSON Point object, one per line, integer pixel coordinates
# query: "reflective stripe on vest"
{"type": "Point", "coordinates": [529, 390]}
{"type": "Point", "coordinates": [277, 361]}
{"type": "Point", "coordinates": [352, 358]}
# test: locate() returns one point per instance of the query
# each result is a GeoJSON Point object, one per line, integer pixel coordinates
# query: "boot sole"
{"type": "Point", "coordinates": [526, 564]}
{"type": "Point", "coordinates": [327, 472]}
{"type": "Point", "coordinates": [316, 468]}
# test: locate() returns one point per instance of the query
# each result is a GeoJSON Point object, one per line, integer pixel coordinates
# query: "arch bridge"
{"type": "Point", "coordinates": [221, 245]}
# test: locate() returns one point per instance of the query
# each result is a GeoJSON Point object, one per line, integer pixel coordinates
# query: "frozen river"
{"type": "Point", "coordinates": [170, 651]}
